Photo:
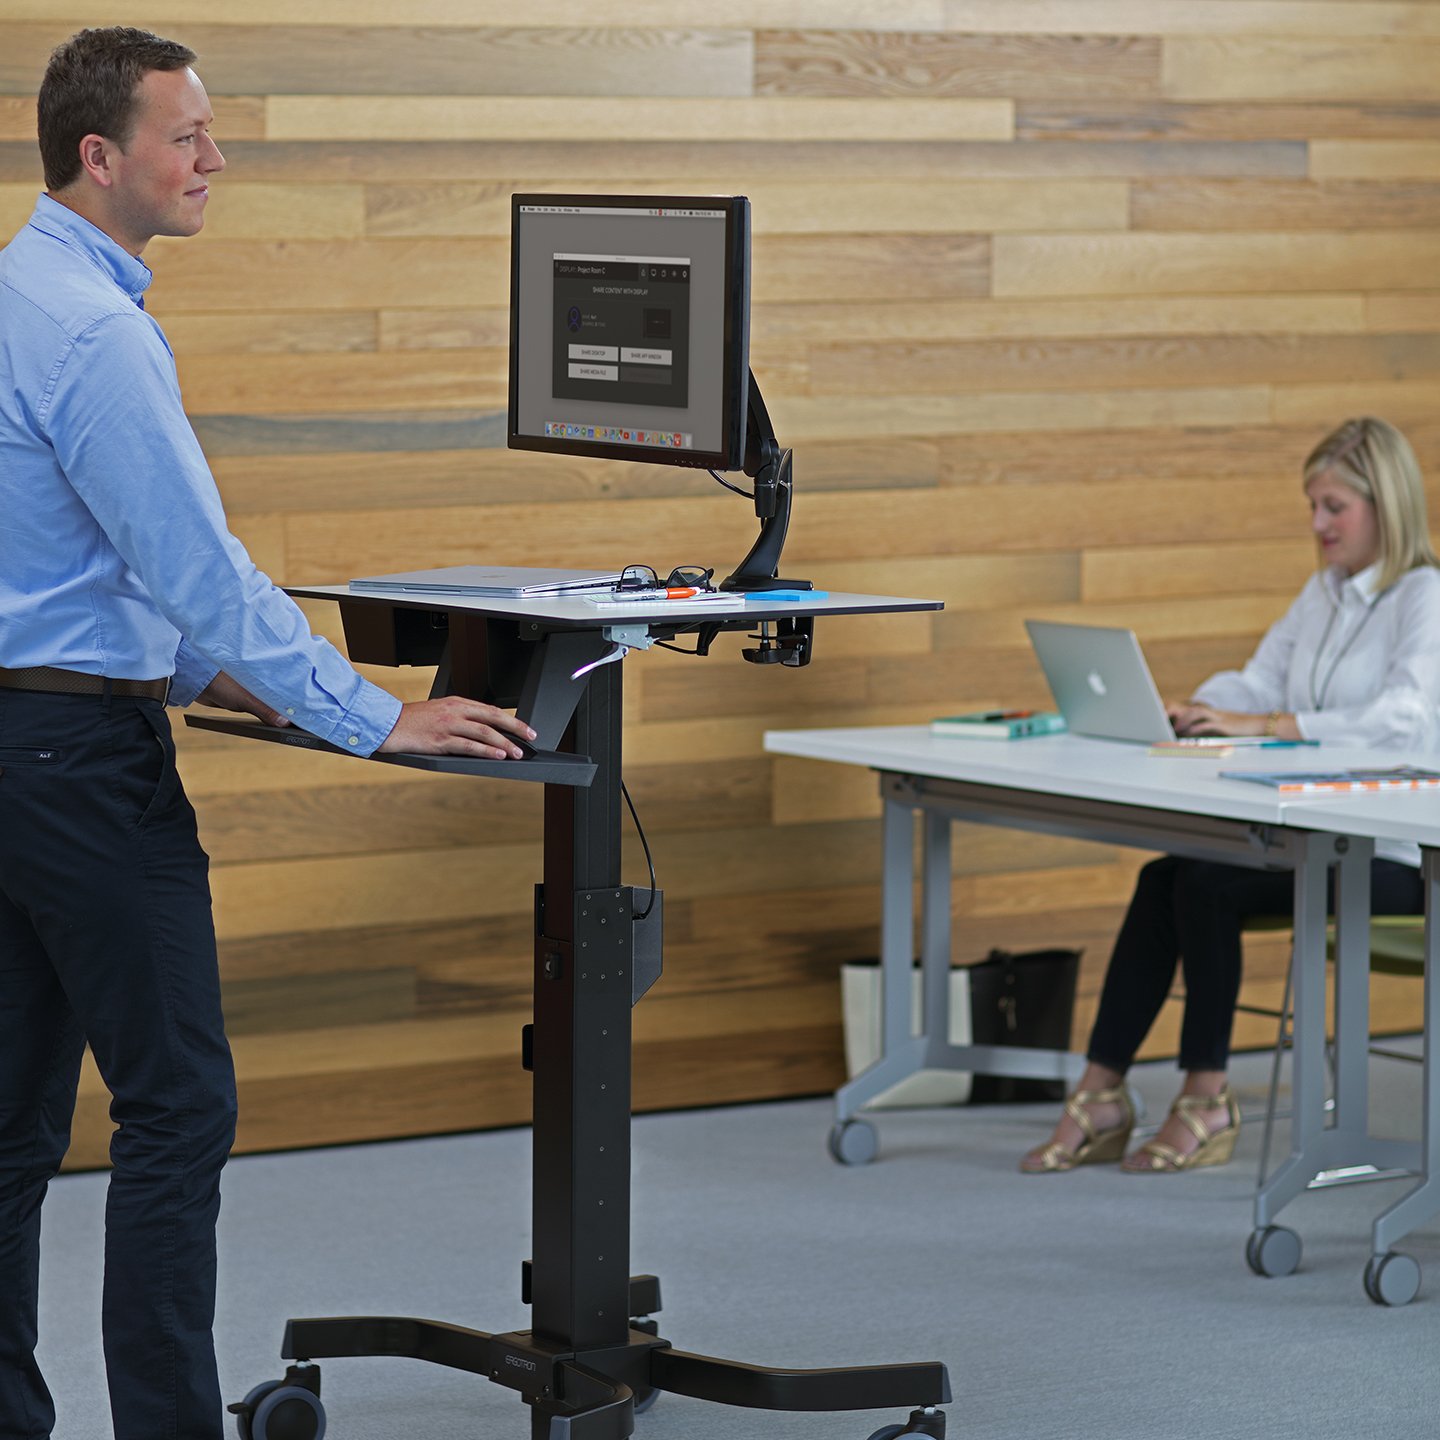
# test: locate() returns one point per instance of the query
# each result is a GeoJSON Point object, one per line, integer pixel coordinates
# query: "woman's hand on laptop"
{"type": "Point", "coordinates": [1197, 718]}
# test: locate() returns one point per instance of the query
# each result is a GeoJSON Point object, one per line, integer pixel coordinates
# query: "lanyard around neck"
{"type": "Point", "coordinates": [1317, 697]}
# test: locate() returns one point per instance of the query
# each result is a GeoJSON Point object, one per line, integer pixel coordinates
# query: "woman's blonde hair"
{"type": "Point", "coordinates": [1375, 460]}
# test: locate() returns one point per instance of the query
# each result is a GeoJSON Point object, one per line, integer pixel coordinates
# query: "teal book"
{"type": "Point", "coordinates": [1000, 724]}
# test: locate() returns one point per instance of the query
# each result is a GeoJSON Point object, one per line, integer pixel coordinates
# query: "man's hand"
{"type": "Point", "coordinates": [227, 694]}
{"type": "Point", "coordinates": [454, 725]}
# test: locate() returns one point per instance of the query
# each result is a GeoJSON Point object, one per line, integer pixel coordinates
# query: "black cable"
{"type": "Point", "coordinates": [678, 649]}
{"type": "Point", "coordinates": [720, 480]}
{"type": "Point", "coordinates": [645, 845]}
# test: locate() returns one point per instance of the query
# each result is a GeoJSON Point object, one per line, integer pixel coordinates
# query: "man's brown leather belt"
{"type": "Point", "coordinates": [72, 682]}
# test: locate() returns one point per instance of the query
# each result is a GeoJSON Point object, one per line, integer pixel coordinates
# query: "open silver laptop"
{"type": "Point", "coordinates": [1100, 681]}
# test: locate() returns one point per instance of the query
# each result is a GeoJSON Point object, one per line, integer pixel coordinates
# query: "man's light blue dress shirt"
{"type": "Point", "coordinates": [115, 558]}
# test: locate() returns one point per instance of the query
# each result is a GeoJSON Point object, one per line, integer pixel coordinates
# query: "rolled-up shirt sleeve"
{"type": "Point", "coordinates": [132, 457]}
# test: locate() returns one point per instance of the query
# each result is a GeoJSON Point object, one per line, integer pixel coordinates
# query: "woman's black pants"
{"type": "Point", "coordinates": [1192, 911]}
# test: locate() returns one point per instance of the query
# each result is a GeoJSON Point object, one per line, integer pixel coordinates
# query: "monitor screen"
{"type": "Point", "coordinates": [629, 326]}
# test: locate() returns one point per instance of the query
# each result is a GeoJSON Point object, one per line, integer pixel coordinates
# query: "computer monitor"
{"type": "Point", "coordinates": [629, 327]}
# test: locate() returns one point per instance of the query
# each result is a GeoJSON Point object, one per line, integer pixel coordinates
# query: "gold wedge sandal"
{"type": "Point", "coordinates": [1154, 1157]}
{"type": "Point", "coordinates": [1097, 1147]}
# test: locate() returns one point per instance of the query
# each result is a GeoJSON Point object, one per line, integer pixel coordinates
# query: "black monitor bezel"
{"type": "Point", "coordinates": [736, 363]}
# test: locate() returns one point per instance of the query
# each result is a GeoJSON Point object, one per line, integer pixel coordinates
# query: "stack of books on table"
{"type": "Point", "coordinates": [1216, 747]}
{"type": "Point", "coordinates": [1340, 782]}
{"type": "Point", "coordinates": [999, 724]}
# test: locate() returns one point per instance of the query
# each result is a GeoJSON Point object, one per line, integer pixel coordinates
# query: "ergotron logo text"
{"type": "Point", "coordinates": [520, 1364]}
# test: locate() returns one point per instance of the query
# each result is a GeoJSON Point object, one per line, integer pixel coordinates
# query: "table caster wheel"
{"type": "Point", "coordinates": [854, 1142]}
{"type": "Point", "coordinates": [1392, 1278]}
{"type": "Point", "coordinates": [645, 1399]}
{"type": "Point", "coordinates": [888, 1432]}
{"type": "Point", "coordinates": [1273, 1251]}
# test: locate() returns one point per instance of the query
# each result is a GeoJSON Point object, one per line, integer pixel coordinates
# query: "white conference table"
{"type": "Point", "coordinates": [1119, 794]}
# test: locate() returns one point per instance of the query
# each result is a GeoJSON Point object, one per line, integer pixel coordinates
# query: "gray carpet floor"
{"type": "Point", "coordinates": [1090, 1304]}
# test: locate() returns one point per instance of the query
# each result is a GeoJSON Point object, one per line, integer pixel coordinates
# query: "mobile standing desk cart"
{"type": "Point", "coordinates": [592, 1356]}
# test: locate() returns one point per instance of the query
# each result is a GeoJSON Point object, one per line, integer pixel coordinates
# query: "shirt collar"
{"type": "Point", "coordinates": [1363, 586]}
{"type": "Point", "coordinates": [130, 273]}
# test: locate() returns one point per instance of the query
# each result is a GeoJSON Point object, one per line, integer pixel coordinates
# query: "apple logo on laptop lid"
{"type": "Point", "coordinates": [1096, 683]}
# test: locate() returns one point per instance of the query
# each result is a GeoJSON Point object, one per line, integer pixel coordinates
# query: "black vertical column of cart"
{"type": "Point", "coordinates": [585, 988]}
{"type": "Point", "coordinates": [592, 1353]}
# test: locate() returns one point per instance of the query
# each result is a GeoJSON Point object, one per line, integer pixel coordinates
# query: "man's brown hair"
{"type": "Point", "coordinates": [90, 88]}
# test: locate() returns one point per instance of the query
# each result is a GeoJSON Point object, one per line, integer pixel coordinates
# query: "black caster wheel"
{"type": "Point", "coordinates": [1273, 1251]}
{"type": "Point", "coordinates": [645, 1399]}
{"type": "Point", "coordinates": [854, 1142]}
{"type": "Point", "coordinates": [929, 1423]}
{"type": "Point", "coordinates": [287, 1409]}
{"type": "Point", "coordinates": [1392, 1278]}
{"type": "Point", "coordinates": [246, 1407]}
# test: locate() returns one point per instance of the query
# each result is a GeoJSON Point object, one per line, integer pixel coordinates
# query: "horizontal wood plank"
{"type": "Point", "coordinates": [1164, 572]}
{"type": "Point", "coordinates": [1363, 204]}
{"type": "Point", "coordinates": [947, 367]}
{"type": "Point", "coordinates": [220, 276]}
{"type": "Point", "coordinates": [462, 117]}
{"type": "Point", "coordinates": [890, 63]}
{"type": "Point", "coordinates": [976, 319]}
{"type": "Point", "coordinates": [1239, 123]}
{"type": "Point", "coordinates": [864, 415]}
{"type": "Point", "coordinates": [1306, 18]}
{"type": "Point", "coordinates": [794, 208]}
{"type": "Point", "coordinates": [464, 14]}
{"type": "Point", "coordinates": [271, 333]}
{"type": "Point", "coordinates": [280, 384]}
{"type": "Point", "coordinates": [1027, 265]}
{"type": "Point", "coordinates": [1375, 160]}
{"type": "Point", "coordinates": [409, 58]}
{"type": "Point", "coordinates": [1253, 452]}
{"type": "Point", "coordinates": [237, 117]}
{"type": "Point", "coordinates": [719, 162]}
{"type": "Point", "coordinates": [1254, 67]}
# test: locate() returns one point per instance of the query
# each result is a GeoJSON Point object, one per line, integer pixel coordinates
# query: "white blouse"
{"type": "Point", "coordinates": [1354, 667]}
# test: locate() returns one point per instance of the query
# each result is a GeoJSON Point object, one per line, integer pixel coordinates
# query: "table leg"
{"type": "Point", "coordinates": [1352, 989]}
{"type": "Point", "coordinates": [900, 1051]}
{"type": "Point", "coordinates": [1314, 1146]}
{"type": "Point", "coordinates": [1308, 1075]}
{"type": "Point", "coordinates": [935, 939]}
{"type": "Point", "coordinates": [1422, 1203]}
{"type": "Point", "coordinates": [903, 1053]}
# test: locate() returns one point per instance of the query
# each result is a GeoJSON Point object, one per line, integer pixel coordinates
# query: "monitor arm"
{"type": "Point", "coordinates": [769, 466]}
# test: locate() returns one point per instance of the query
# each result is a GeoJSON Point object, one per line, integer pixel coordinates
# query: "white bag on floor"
{"type": "Point", "coordinates": [860, 985]}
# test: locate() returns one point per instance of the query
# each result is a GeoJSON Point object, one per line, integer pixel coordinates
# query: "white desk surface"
{"type": "Point", "coordinates": [578, 614]}
{"type": "Point", "coordinates": [1407, 815]}
{"type": "Point", "coordinates": [1109, 770]}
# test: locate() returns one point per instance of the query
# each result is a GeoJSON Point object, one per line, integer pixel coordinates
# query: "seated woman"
{"type": "Point", "coordinates": [1354, 661]}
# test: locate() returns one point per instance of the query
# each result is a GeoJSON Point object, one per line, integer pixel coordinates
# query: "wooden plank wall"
{"type": "Point", "coordinates": [1051, 297]}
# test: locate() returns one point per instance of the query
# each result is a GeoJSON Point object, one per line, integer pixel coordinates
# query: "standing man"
{"type": "Point", "coordinates": [120, 588]}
